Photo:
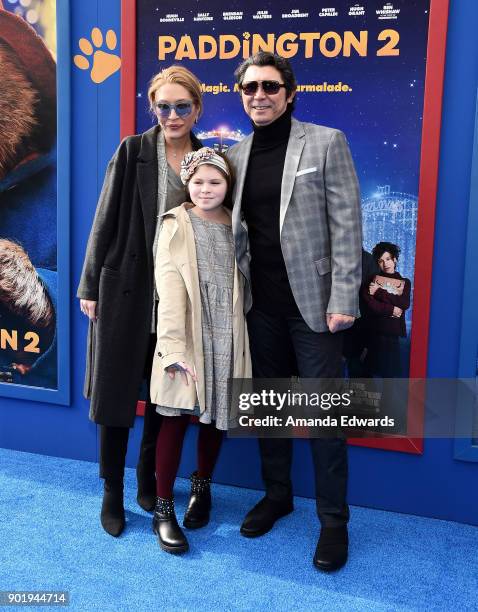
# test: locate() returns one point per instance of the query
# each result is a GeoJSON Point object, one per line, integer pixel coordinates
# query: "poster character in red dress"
{"type": "Point", "coordinates": [385, 298]}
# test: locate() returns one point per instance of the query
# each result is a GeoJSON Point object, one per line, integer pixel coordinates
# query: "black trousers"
{"type": "Point", "coordinates": [114, 444]}
{"type": "Point", "coordinates": [281, 347]}
{"type": "Point", "coordinates": [114, 440]}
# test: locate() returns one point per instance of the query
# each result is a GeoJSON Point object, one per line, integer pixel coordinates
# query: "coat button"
{"type": "Point", "coordinates": [127, 292]}
{"type": "Point", "coordinates": [133, 255]}
{"type": "Point", "coordinates": [160, 354]}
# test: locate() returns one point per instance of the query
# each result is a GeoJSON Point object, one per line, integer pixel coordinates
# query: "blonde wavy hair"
{"type": "Point", "coordinates": [180, 76]}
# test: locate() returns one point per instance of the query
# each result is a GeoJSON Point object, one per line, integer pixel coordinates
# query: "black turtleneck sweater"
{"type": "Point", "coordinates": [271, 292]}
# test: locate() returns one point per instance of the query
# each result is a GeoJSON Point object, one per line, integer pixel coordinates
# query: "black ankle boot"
{"type": "Point", "coordinates": [146, 478]}
{"type": "Point", "coordinates": [165, 525]}
{"type": "Point", "coordinates": [199, 507]}
{"type": "Point", "coordinates": [332, 548]}
{"type": "Point", "coordinates": [112, 509]}
{"type": "Point", "coordinates": [263, 516]}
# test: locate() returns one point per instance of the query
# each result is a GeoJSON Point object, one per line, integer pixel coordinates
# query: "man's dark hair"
{"type": "Point", "coordinates": [385, 247]}
{"type": "Point", "coordinates": [265, 58]}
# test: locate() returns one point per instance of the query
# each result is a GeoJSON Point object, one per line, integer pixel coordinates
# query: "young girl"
{"type": "Point", "coordinates": [202, 336]}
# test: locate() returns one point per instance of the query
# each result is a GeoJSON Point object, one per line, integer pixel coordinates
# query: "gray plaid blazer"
{"type": "Point", "coordinates": [320, 222]}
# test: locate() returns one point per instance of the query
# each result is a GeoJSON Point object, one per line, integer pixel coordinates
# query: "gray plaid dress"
{"type": "Point", "coordinates": [215, 260]}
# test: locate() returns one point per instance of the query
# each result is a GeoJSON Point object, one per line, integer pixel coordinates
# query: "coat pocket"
{"type": "Point", "coordinates": [109, 271]}
{"type": "Point", "coordinates": [171, 393]}
{"type": "Point", "coordinates": [323, 266]}
{"type": "Point", "coordinates": [90, 360]}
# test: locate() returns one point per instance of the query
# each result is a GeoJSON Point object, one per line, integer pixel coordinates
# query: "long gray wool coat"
{"type": "Point", "coordinates": [118, 274]}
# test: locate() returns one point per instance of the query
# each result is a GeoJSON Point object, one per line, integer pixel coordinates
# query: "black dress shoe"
{"type": "Point", "coordinates": [262, 517]}
{"type": "Point", "coordinates": [112, 509]}
{"type": "Point", "coordinates": [146, 496]}
{"type": "Point", "coordinates": [332, 549]}
{"type": "Point", "coordinates": [165, 525]}
{"type": "Point", "coordinates": [199, 507]}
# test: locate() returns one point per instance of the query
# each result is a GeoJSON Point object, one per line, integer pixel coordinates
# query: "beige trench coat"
{"type": "Point", "coordinates": [179, 316]}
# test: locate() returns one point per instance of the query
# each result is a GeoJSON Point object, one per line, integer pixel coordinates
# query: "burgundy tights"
{"type": "Point", "coordinates": [170, 444]}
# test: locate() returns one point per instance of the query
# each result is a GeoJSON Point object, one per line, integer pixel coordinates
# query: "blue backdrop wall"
{"type": "Point", "coordinates": [433, 484]}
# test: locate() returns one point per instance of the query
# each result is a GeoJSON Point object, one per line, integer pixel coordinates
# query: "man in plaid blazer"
{"type": "Point", "coordinates": [298, 237]}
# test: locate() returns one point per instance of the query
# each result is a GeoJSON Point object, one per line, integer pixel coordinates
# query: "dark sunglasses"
{"type": "Point", "coordinates": [182, 109]}
{"type": "Point", "coordinates": [268, 87]}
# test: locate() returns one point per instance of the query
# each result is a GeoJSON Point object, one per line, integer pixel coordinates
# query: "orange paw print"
{"type": "Point", "coordinates": [102, 63]}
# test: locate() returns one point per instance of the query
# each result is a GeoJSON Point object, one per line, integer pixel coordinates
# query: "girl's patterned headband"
{"type": "Point", "coordinates": [194, 159]}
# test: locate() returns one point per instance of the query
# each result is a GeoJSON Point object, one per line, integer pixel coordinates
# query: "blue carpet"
{"type": "Point", "coordinates": [51, 538]}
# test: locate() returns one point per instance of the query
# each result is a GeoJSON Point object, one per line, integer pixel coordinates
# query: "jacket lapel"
{"type": "Point", "coordinates": [292, 159]}
{"type": "Point", "coordinates": [241, 161]}
{"type": "Point", "coordinates": [147, 175]}
{"type": "Point", "coordinates": [239, 227]}
{"type": "Point", "coordinates": [183, 249]}
{"type": "Point", "coordinates": [189, 267]}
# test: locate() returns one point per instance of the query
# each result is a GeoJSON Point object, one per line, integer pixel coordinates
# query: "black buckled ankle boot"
{"type": "Point", "coordinates": [199, 507]}
{"type": "Point", "coordinates": [112, 509]}
{"type": "Point", "coordinates": [165, 525]}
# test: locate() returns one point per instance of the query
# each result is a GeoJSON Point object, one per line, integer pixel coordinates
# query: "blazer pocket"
{"type": "Point", "coordinates": [306, 171]}
{"type": "Point", "coordinates": [323, 266]}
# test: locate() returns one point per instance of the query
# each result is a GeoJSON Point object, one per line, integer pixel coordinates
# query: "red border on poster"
{"type": "Point", "coordinates": [128, 68]}
{"type": "Point", "coordinates": [427, 191]}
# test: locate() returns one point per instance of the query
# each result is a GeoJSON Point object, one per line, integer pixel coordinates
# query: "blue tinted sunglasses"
{"type": "Point", "coordinates": [182, 109]}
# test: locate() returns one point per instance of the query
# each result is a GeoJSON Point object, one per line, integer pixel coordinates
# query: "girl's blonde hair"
{"type": "Point", "coordinates": [180, 76]}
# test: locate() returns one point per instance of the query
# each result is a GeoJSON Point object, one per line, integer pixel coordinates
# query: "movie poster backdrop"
{"type": "Point", "coordinates": [360, 68]}
{"type": "Point", "coordinates": [28, 200]}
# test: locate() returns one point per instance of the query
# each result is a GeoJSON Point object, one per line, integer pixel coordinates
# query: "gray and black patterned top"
{"type": "Point", "coordinates": [175, 196]}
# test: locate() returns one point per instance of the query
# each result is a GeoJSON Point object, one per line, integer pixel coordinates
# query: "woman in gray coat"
{"type": "Point", "coordinates": [116, 288]}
